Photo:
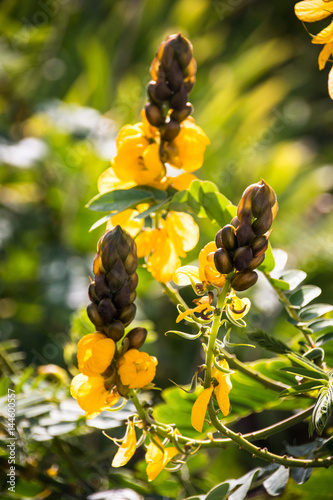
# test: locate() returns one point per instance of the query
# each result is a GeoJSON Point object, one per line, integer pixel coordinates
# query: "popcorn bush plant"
{"type": "Point", "coordinates": [148, 218]}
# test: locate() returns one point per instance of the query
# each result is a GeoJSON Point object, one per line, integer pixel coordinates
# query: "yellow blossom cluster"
{"type": "Point", "coordinates": [96, 387]}
{"type": "Point", "coordinates": [316, 10]}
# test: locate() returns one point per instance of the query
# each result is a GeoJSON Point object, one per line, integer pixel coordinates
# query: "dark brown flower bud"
{"type": "Point", "coordinates": [151, 88]}
{"type": "Point", "coordinates": [174, 76]}
{"type": "Point", "coordinates": [259, 245]}
{"type": "Point", "coordinates": [136, 337]}
{"type": "Point", "coordinates": [92, 293]}
{"type": "Point", "coordinates": [101, 286]}
{"type": "Point", "coordinates": [228, 235]}
{"type": "Point", "coordinates": [107, 310]}
{"type": "Point", "coordinates": [122, 298]}
{"type": "Point", "coordinates": [183, 50]}
{"type": "Point", "coordinates": [244, 232]}
{"type": "Point", "coordinates": [255, 262]}
{"type": "Point", "coordinates": [244, 208]}
{"type": "Point", "coordinates": [131, 261]}
{"type": "Point", "coordinates": [223, 261]}
{"type": "Point", "coordinates": [110, 377]}
{"type": "Point", "coordinates": [154, 114]}
{"type": "Point", "coordinates": [94, 315]}
{"type": "Point", "coordinates": [263, 198]}
{"type": "Point", "coordinates": [115, 330]}
{"type": "Point", "coordinates": [122, 389]}
{"type": "Point", "coordinates": [109, 255]}
{"type": "Point", "coordinates": [218, 239]}
{"type": "Point", "coordinates": [117, 276]}
{"type": "Point", "coordinates": [244, 280]}
{"type": "Point", "coordinates": [179, 99]}
{"type": "Point", "coordinates": [133, 281]}
{"type": "Point", "coordinates": [170, 130]}
{"type": "Point", "coordinates": [189, 83]}
{"type": "Point", "coordinates": [162, 91]}
{"type": "Point", "coordinates": [127, 314]}
{"type": "Point", "coordinates": [242, 258]}
{"type": "Point", "coordinates": [235, 222]}
{"type": "Point", "coordinates": [167, 56]}
{"type": "Point", "coordinates": [181, 114]}
{"type": "Point", "coordinates": [261, 225]}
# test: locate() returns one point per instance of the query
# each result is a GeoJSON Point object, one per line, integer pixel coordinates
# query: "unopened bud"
{"type": "Point", "coordinates": [109, 255]}
{"type": "Point", "coordinates": [218, 239]}
{"type": "Point", "coordinates": [259, 245]}
{"type": "Point", "coordinates": [235, 222]}
{"type": "Point", "coordinates": [244, 280]}
{"type": "Point", "coordinates": [256, 261]}
{"type": "Point", "coordinates": [189, 83]}
{"type": "Point", "coordinates": [244, 208]}
{"type": "Point", "coordinates": [94, 315]}
{"type": "Point", "coordinates": [167, 56]}
{"type": "Point", "coordinates": [242, 258]}
{"type": "Point", "coordinates": [117, 276]}
{"type": "Point", "coordinates": [162, 91]}
{"type": "Point", "coordinates": [170, 130]}
{"type": "Point", "coordinates": [174, 76]}
{"type": "Point", "coordinates": [179, 115]}
{"type": "Point", "coordinates": [92, 293]}
{"type": "Point", "coordinates": [264, 197]}
{"type": "Point", "coordinates": [261, 225]}
{"type": "Point", "coordinates": [183, 50]}
{"type": "Point", "coordinates": [136, 337]}
{"type": "Point", "coordinates": [223, 261]}
{"type": "Point", "coordinates": [101, 287]}
{"type": "Point", "coordinates": [121, 388]}
{"type": "Point", "coordinates": [115, 330]}
{"type": "Point", "coordinates": [122, 298]}
{"type": "Point", "coordinates": [131, 261]}
{"type": "Point", "coordinates": [107, 310]}
{"type": "Point", "coordinates": [244, 232]}
{"type": "Point", "coordinates": [228, 236]}
{"type": "Point", "coordinates": [151, 88]}
{"type": "Point", "coordinates": [133, 281]}
{"type": "Point", "coordinates": [127, 314]}
{"type": "Point", "coordinates": [154, 114]}
{"type": "Point", "coordinates": [179, 99]}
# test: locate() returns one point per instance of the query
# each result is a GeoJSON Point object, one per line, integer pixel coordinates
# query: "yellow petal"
{"type": "Point", "coordinates": [145, 242]}
{"type": "Point", "coordinates": [127, 448]}
{"type": "Point", "coordinates": [313, 10]}
{"type": "Point", "coordinates": [85, 346]}
{"type": "Point", "coordinates": [182, 181]}
{"type": "Point", "coordinates": [330, 83]}
{"type": "Point", "coordinates": [199, 408]}
{"type": "Point", "coordinates": [157, 458]}
{"type": "Point", "coordinates": [126, 220]}
{"type": "Point", "coordinates": [101, 356]}
{"type": "Point", "coordinates": [91, 396]}
{"type": "Point", "coordinates": [185, 275]}
{"type": "Point", "coordinates": [325, 36]}
{"type": "Point", "coordinates": [183, 231]}
{"type": "Point", "coordinates": [325, 55]}
{"type": "Point", "coordinates": [108, 181]}
{"type": "Point", "coordinates": [239, 307]}
{"type": "Point", "coordinates": [164, 261]}
{"type": "Point", "coordinates": [77, 381]}
{"type": "Point", "coordinates": [223, 398]}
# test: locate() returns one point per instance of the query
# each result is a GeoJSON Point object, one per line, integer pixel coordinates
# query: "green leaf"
{"type": "Point", "coordinates": [323, 339]}
{"type": "Point", "coordinates": [121, 199]}
{"type": "Point", "coordinates": [245, 483]}
{"type": "Point", "coordinates": [269, 342]}
{"type": "Point", "coordinates": [101, 221]}
{"type": "Point", "coordinates": [277, 283]}
{"type": "Point", "coordinates": [317, 353]}
{"type": "Point", "coordinates": [219, 492]}
{"type": "Point", "coordinates": [300, 389]}
{"type": "Point", "coordinates": [187, 336]}
{"type": "Point", "coordinates": [322, 410]}
{"type": "Point", "coordinates": [269, 263]}
{"type": "Point", "coordinates": [276, 483]}
{"type": "Point", "coordinates": [305, 363]}
{"type": "Point", "coordinates": [322, 326]}
{"type": "Point", "coordinates": [314, 311]}
{"type": "Point", "coordinates": [151, 209]}
{"type": "Point", "coordinates": [204, 199]}
{"type": "Point", "coordinates": [304, 295]}
{"type": "Point", "coordinates": [294, 277]}
{"type": "Point", "coordinates": [304, 372]}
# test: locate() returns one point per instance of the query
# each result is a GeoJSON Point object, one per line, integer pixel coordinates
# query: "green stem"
{"type": "Point", "coordinates": [138, 405]}
{"type": "Point", "coordinates": [264, 454]}
{"type": "Point", "coordinates": [251, 436]}
{"type": "Point", "coordinates": [214, 331]}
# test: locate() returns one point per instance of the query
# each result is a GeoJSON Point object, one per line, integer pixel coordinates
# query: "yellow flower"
{"type": "Point", "coordinates": [95, 353]}
{"type": "Point", "coordinates": [127, 221]}
{"type": "Point", "coordinates": [237, 308]}
{"type": "Point", "coordinates": [187, 150]}
{"type": "Point", "coordinates": [157, 457]}
{"type": "Point", "coordinates": [136, 369]}
{"type": "Point", "coordinates": [205, 275]}
{"type": "Point", "coordinates": [177, 234]}
{"type": "Point", "coordinates": [222, 387]}
{"type": "Point", "coordinates": [127, 448]}
{"type": "Point", "coordinates": [203, 307]}
{"type": "Point", "coordinates": [91, 394]}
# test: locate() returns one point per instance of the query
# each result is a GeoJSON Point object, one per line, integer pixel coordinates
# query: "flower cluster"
{"type": "Point", "coordinates": [108, 372]}
{"type": "Point", "coordinates": [316, 10]}
{"type": "Point", "coordinates": [151, 152]}
{"type": "Point", "coordinates": [242, 243]}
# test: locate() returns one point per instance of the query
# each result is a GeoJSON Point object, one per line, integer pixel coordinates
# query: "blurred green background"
{"type": "Point", "coordinates": [72, 72]}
